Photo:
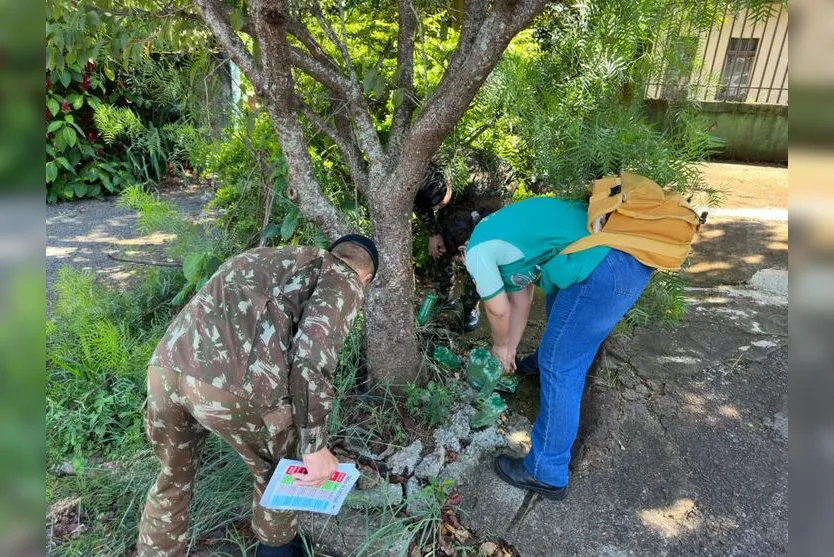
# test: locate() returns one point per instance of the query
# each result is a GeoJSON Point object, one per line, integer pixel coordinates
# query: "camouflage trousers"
{"type": "Point", "coordinates": [182, 411]}
{"type": "Point", "coordinates": [443, 279]}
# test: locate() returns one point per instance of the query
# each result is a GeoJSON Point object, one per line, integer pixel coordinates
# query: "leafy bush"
{"type": "Point", "coordinates": [99, 341]}
{"type": "Point", "coordinates": [430, 405]}
{"type": "Point", "coordinates": [97, 58]}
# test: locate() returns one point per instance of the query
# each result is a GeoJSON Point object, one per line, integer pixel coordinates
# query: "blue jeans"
{"type": "Point", "coordinates": [578, 320]}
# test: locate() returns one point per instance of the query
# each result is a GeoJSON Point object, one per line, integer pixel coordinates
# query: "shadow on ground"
{"type": "Point", "coordinates": [682, 449]}
{"type": "Point", "coordinates": [731, 250]}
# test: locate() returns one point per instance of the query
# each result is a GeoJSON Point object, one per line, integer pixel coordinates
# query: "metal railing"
{"type": "Point", "coordinates": [741, 59]}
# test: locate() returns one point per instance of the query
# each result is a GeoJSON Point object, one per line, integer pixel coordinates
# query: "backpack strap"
{"type": "Point", "coordinates": [626, 241]}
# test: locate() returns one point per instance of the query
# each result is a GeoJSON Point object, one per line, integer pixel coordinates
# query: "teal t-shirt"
{"type": "Point", "coordinates": [520, 244]}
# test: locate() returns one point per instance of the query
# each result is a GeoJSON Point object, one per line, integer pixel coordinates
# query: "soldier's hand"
{"type": "Point", "coordinates": [436, 246]}
{"type": "Point", "coordinates": [320, 467]}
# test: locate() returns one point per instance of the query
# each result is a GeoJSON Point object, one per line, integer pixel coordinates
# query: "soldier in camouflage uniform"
{"type": "Point", "coordinates": [490, 185]}
{"type": "Point", "coordinates": [251, 358]}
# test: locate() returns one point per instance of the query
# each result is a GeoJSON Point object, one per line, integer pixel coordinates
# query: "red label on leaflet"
{"type": "Point", "coordinates": [337, 476]}
{"type": "Point", "coordinates": [296, 470]}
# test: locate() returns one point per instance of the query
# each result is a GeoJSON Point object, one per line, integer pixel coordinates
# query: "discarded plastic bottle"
{"type": "Point", "coordinates": [483, 371]}
{"type": "Point", "coordinates": [489, 410]}
{"type": "Point", "coordinates": [427, 308]}
{"type": "Point", "coordinates": [507, 383]}
{"type": "Point", "coordinates": [446, 358]}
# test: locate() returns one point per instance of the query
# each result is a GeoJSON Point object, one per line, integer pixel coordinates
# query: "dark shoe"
{"type": "Point", "coordinates": [294, 548]}
{"type": "Point", "coordinates": [513, 471]}
{"type": "Point", "coordinates": [471, 320]}
{"type": "Point", "coordinates": [528, 365]}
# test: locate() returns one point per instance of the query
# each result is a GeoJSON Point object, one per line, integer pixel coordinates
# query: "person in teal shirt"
{"type": "Point", "coordinates": [588, 292]}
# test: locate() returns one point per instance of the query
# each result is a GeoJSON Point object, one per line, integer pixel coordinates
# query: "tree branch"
{"type": "Point", "coordinates": [351, 153]}
{"type": "Point", "coordinates": [215, 17]}
{"type": "Point", "coordinates": [270, 20]}
{"type": "Point", "coordinates": [405, 69]}
{"type": "Point", "coordinates": [471, 65]}
{"type": "Point", "coordinates": [474, 14]}
{"type": "Point", "coordinates": [300, 32]}
{"type": "Point", "coordinates": [324, 74]}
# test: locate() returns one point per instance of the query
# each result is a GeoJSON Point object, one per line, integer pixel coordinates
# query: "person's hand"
{"type": "Point", "coordinates": [436, 246]}
{"type": "Point", "coordinates": [506, 356]}
{"type": "Point", "coordinates": [320, 467]}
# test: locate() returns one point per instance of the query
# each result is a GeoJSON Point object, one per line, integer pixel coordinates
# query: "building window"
{"type": "Point", "coordinates": [738, 68]}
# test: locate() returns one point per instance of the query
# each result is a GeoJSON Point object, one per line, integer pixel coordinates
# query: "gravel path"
{"type": "Point", "coordinates": [81, 234]}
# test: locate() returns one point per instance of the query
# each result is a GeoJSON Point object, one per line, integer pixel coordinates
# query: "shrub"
{"type": "Point", "coordinates": [99, 341]}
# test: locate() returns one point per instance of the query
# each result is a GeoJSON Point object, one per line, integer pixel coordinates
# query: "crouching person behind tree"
{"type": "Point", "coordinates": [251, 359]}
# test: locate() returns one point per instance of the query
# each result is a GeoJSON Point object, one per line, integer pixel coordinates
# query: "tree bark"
{"type": "Point", "coordinates": [391, 348]}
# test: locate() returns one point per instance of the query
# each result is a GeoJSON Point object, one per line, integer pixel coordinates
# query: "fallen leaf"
{"type": "Point", "coordinates": [461, 534]}
{"type": "Point", "coordinates": [487, 548]}
{"type": "Point", "coordinates": [446, 546]}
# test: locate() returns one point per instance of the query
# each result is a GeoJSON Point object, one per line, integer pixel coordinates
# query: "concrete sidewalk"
{"type": "Point", "coordinates": [683, 446]}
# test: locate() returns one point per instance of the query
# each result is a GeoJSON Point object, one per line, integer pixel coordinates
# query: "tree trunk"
{"type": "Point", "coordinates": [391, 346]}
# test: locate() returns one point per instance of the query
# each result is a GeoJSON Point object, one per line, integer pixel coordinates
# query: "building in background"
{"type": "Point", "coordinates": [742, 59]}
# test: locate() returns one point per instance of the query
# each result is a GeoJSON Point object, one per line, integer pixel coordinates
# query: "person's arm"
{"type": "Point", "coordinates": [520, 302]}
{"type": "Point", "coordinates": [314, 354]}
{"type": "Point", "coordinates": [498, 310]}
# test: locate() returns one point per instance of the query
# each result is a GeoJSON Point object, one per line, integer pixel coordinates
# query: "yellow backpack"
{"type": "Point", "coordinates": [633, 214]}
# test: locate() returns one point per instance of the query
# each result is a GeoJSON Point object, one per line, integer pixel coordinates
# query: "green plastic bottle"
{"type": "Point", "coordinates": [489, 410]}
{"type": "Point", "coordinates": [446, 358]}
{"type": "Point", "coordinates": [427, 308]}
{"type": "Point", "coordinates": [483, 371]}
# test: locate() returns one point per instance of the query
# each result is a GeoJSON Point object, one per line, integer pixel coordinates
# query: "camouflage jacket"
{"type": "Point", "coordinates": [490, 184]}
{"type": "Point", "coordinates": [268, 326]}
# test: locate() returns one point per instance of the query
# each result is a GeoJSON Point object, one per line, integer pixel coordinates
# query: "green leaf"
{"type": "Point", "coordinates": [211, 266]}
{"type": "Point", "coordinates": [69, 118]}
{"type": "Point", "coordinates": [54, 125]}
{"type": "Point", "coordinates": [272, 230]}
{"type": "Point", "coordinates": [289, 225]}
{"type": "Point", "coordinates": [237, 20]}
{"type": "Point", "coordinates": [65, 77]}
{"type": "Point", "coordinates": [379, 86]}
{"type": "Point", "coordinates": [69, 136]}
{"type": "Point", "coordinates": [80, 189]}
{"type": "Point", "coordinates": [78, 103]}
{"type": "Point", "coordinates": [53, 105]}
{"type": "Point", "coordinates": [369, 81]}
{"type": "Point", "coordinates": [397, 97]}
{"type": "Point", "coordinates": [192, 266]}
{"type": "Point", "coordinates": [65, 163]}
{"type": "Point", "coordinates": [320, 240]}
{"type": "Point", "coordinates": [51, 171]}
{"type": "Point", "coordinates": [182, 294]}
{"type": "Point", "coordinates": [108, 71]}
{"type": "Point", "coordinates": [93, 19]}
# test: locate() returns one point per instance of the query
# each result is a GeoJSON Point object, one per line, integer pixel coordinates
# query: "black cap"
{"type": "Point", "coordinates": [365, 243]}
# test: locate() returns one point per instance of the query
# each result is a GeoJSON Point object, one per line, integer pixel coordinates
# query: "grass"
{"type": "Point", "coordinates": [111, 499]}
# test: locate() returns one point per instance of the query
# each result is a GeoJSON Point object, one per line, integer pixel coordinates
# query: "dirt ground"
{"type": "Point", "coordinates": [749, 186]}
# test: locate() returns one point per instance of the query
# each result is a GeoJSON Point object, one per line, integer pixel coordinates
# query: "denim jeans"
{"type": "Point", "coordinates": [578, 320]}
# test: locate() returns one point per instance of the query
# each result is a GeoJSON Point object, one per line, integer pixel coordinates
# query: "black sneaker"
{"type": "Point", "coordinates": [529, 365]}
{"type": "Point", "coordinates": [471, 320]}
{"type": "Point", "coordinates": [513, 471]}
